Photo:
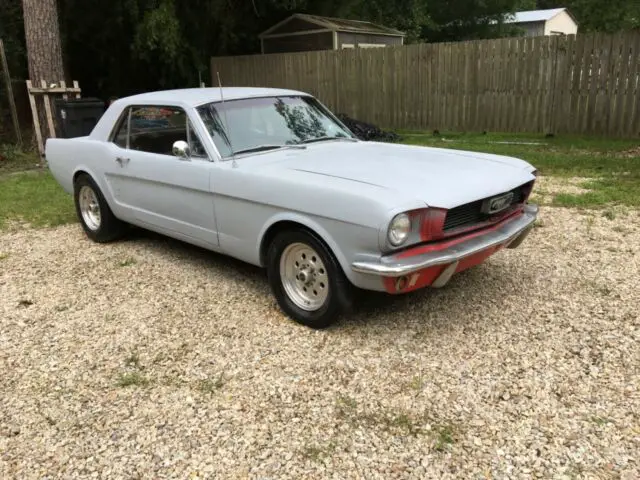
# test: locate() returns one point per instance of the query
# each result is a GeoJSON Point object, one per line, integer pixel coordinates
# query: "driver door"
{"type": "Point", "coordinates": [163, 192]}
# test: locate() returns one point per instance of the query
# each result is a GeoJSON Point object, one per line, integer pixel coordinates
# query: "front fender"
{"type": "Point", "coordinates": [312, 225]}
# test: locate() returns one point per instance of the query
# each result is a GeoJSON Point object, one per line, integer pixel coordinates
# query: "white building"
{"type": "Point", "coordinates": [554, 21]}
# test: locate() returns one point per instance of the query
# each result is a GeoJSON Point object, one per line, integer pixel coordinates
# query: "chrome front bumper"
{"type": "Point", "coordinates": [510, 234]}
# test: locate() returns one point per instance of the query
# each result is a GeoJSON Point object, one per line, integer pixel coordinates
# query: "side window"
{"type": "Point", "coordinates": [120, 135]}
{"type": "Point", "coordinates": [154, 129]}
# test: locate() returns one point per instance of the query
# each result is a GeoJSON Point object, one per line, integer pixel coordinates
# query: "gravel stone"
{"type": "Point", "coordinates": [149, 358]}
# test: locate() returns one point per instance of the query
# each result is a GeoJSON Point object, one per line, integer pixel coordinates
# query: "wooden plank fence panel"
{"type": "Point", "coordinates": [604, 57]}
{"type": "Point", "coordinates": [594, 74]}
{"type": "Point", "coordinates": [576, 84]}
{"type": "Point", "coordinates": [560, 82]}
{"type": "Point", "coordinates": [530, 69]}
{"type": "Point", "coordinates": [617, 122]}
{"type": "Point", "coordinates": [486, 72]}
{"type": "Point", "coordinates": [611, 90]}
{"type": "Point", "coordinates": [519, 96]}
{"type": "Point", "coordinates": [536, 82]}
{"type": "Point", "coordinates": [573, 121]}
{"type": "Point", "coordinates": [633, 95]}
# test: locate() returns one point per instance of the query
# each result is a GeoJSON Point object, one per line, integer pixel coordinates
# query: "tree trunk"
{"type": "Point", "coordinates": [44, 47]}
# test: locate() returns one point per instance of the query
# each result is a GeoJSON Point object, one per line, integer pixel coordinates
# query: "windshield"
{"type": "Point", "coordinates": [257, 124]}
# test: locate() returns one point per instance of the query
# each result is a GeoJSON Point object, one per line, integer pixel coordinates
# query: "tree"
{"type": "Point", "coordinates": [12, 34]}
{"type": "Point", "coordinates": [44, 49]}
{"type": "Point", "coordinates": [42, 33]}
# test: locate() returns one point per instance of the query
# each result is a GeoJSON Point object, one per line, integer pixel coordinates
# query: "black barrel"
{"type": "Point", "coordinates": [77, 117]}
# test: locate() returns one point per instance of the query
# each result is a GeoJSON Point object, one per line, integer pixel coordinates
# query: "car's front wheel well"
{"type": "Point", "coordinates": [77, 174]}
{"type": "Point", "coordinates": [282, 226]}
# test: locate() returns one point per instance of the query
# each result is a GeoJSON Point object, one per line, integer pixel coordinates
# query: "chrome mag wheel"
{"type": "Point", "coordinates": [89, 207]}
{"type": "Point", "coordinates": [304, 276]}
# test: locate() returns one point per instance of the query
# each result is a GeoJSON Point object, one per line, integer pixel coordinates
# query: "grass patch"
{"type": "Point", "coordinates": [3, 255]}
{"type": "Point", "coordinates": [396, 422]}
{"type": "Point", "coordinates": [444, 438]}
{"type": "Point", "coordinates": [317, 453]}
{"type": "Point", "coordinates": [598, 287]}
{"type": "Point", "coordinates": [211, 385]}
{"type": "Point", "coordinates": [127, 262]}
{"type": "Point", "coordinates": [616, 190]}
{"type": "Point", "coordinates": [132, 379]}
{"type": "Point", "coordinates": [14, 159]}
{"type": "Point", "coordinates": [35, 198]}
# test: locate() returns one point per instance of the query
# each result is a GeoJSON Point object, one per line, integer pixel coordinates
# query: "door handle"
{"type": "Point", "coordinates": [122, 161]}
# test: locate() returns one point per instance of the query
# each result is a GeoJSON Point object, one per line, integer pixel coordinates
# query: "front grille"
{"type": "Point", "coordinates": [470, 214]}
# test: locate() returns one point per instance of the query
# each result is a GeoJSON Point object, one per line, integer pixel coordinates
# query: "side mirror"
{"type": "Point", "coordinates": [181, 149]}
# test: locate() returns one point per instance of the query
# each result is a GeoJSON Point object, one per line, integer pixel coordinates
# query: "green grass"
{"type": "Point", "coordinates": [318, 453]}
{"type": "Point", "coordinates": [127, 262]}
{"type": "Point", "coordinates": [15, 159]}
{"type": "Point", "coordinates": [35, 198]}
{"type": "Point", "coordinates": [132, 379]}
{"type": "Point", "coordinates": [444, 438]}
{"type": "Point", "coordinates": [604, 191]}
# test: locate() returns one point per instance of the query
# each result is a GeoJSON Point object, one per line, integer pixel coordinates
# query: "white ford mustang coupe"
{"type": "Point", "coordinates": [273, 178]}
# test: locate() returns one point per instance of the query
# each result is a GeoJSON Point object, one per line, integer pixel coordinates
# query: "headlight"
{"type": "Point", "coordinates": [399, 229]}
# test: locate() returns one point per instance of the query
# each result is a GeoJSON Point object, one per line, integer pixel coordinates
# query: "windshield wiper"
{"type": "Point", "coordinates": [262, 148]}
{"type": "Point", "coordinates": [321, 139]}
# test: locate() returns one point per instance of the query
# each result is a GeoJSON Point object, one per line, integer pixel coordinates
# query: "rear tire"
{"type": "Point", "coordinates": [96, 218]}
{"type": "Point", "coordinates": [306, 279]}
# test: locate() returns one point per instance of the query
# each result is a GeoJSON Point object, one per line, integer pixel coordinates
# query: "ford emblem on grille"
{"type": "Point", "coordinates": [497, 204]}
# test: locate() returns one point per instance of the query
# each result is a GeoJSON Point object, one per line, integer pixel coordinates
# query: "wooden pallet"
{"type": "Point", "coordinates": [46, 92]}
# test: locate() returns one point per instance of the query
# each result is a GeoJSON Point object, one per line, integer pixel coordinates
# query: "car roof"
{"type": "Point", "coordinates": [198, 96]}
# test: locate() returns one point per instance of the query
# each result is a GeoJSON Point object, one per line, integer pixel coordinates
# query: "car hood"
{"type": "Point", "coordinates": [439, 177]}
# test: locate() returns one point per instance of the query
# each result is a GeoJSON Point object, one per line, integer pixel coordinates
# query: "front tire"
{"type": "Point", "coordinates": [96, 218]}
{"type": "Point", "coordinates": [306, 279]}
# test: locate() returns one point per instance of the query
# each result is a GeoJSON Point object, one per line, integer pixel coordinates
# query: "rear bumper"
{"type": "Point", "coordinates": [451, 256]}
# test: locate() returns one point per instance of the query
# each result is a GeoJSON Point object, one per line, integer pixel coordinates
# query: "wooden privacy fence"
{"type": "Point", "coordinates": [560, 84]}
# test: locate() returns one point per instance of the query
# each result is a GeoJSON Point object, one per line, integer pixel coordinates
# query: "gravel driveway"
{"type": "Point", "coordinates": [149, 358]}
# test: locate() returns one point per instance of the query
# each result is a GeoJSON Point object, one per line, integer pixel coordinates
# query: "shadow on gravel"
{"type": "Point", "coordinates": [467, 291]}
{"type": "Point", "coordinates": [192, 253]}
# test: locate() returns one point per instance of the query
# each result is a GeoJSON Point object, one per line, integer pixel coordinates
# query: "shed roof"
{"type": "Point", "coordinates": [535, 15]}
{"type": "Point", "coordinates": [337, 25]}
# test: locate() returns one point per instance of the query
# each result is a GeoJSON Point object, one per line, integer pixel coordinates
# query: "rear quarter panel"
{"type": "Point", "coordinates": [68, 156]}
